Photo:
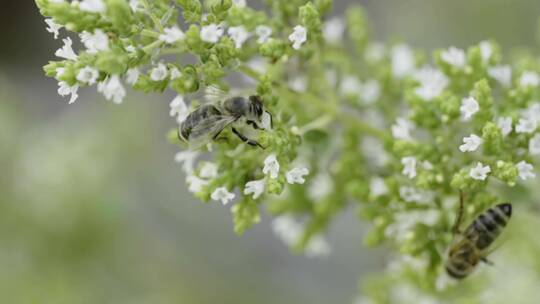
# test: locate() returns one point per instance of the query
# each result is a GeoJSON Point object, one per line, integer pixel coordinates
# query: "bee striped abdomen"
{"type": "Point", "coordinates": [195, 118]}
{"type": "Point", "coordinates": [487, 226]}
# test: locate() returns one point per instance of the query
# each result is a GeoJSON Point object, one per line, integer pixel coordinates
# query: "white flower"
{"type": "Point", "coordinates": [333, 30]}
{"type": "Point", "coordinates": [298, 36]}
{"type": "Point", "coordinates": [112, 89]}
{"type": "Point", "coordinates": [98, 41]}
{"type": "Point", "coordinates": [350, 85]}
{"type": "Point", "coordinates": [377, 187]}
{"type": "Point", "coordinates": [179, 109]}
{"type": "Point", "coordinates": [134, 5]}
{"type": "Point", "coordinates": [187, 159]}
{"type": "Point", "coordinates": [287, 229]}
{"type": "Point", "coordinates": [432, 83]}
{"type": "Point", "coordinates": [501, 73]}
{"type": "Point", "coordinates": [66, 51]}
{"type": "Point", "coordinates": [263, 32]}
{"type": "Point", "coordinates": [132, 75]}
{"type": "Point", "coordinates": [64, 89]}
{"type": "Point", "coordinates": [402, 60]}
{"type": "Point", "coordinates": [211, 33]}
{"type": "Point", "coordinates": [271, 166]}
{"type": "Point", "coordinates": [470, 143]}
{"type": "Point", "coordinates": [454, 56]}
{"type": "Point", "coordinates": [296, 175]}
{"type": "Point", "coordinates": [374, 152]}
{"type": "Point", "coordinates": [525, 170]}
{"type": "Point", "coordinates": [175, 73]}
{"type": "Point", "coordinates": [195, 184]}
{"type": "Point", "coordinates": [374, 52]}
{"type": "Point", "coordinates": [223, 195]}
{"type": "Point", "coordinates": [526, 125]}
{"type": "Point", "coordinates": [159, 73]}
{"type": "Point", "coordinates": [411, 194]}
{"type": "Point", "coordinates": [88, 75]}
{"type": "Point", "coordinates": [60, 72]}
{"type": "Point", "coordinates": [529, 78]}
{"type": "Point", "coordinates": [93, 6]}
{"type": "Point", "coordinates": [480, 172]}
{"type": "Point", "coordinates": [469, 106]}
{"type": "Point", "coordinates": [505, 124]}
{"type": "Point", "coordinates": [238, 34]}
{"type": "Point", "coordinates": [371, 91]}
{"type": "Point", "coordinates": [409, 166]}
{"type": "Point", "coordinates": [266, 121]}
{"type": "Point", "coordinates": [485, 51]}
{"type": "Point", "coordinates": [171, 34]}
{"type": "Point", "coordinates": [402, 129]}
{"type": "Point", "coordinates": [131, 48]}
{"type": "Point", "coordinates": [317, 247]}
{"type": "Point", "coordinates": [298, 83]}
{"type": "Point", "coordinates": [208, 170]}
{"type": "Point", "coordinates": [320, 186]}
{"type": "Point", "coordinates": [532, 112]}
{"type": "Point", "coordinates": [239, 3]}
{"type": "Point", "coordinates": [52, 27]}
{"type": "Point", "coordinates": [534, 145]}
{"type": "Point", "coordinates": [255, 187]}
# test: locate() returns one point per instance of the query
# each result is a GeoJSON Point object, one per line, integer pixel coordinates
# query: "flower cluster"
{"type": "Point", "coordinates": [399, 138]}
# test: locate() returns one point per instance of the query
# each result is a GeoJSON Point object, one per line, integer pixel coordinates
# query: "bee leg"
{"type": "Point", "coordinates": [456, 229]}
{"type": "Point", "coordinates": [485, 260]}
{"type": "Point", "coordinates": [250, 142]}
{"type": "Point", "coordinates": [271, 120]}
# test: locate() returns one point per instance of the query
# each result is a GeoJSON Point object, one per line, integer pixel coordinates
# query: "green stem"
{"type": "Point", "coordinates": [155, 19]}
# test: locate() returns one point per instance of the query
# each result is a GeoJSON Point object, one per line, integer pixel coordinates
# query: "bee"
{"type": "Point", "coordinates": [472, 246]}
{"type": "Point", "coordinates": [206, 122]}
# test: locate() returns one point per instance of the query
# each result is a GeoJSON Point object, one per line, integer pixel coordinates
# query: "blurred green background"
{"type": "Point", "coordinates": [93, 208]}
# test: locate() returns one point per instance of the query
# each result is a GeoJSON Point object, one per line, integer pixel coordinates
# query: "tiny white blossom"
{"type": "Point", "coordinates": [263, 32]}
{"type": "Point", "coordinates": [287, 229]}
{"type": "Point", "coordinates": [371, 91]}
{"type": "Point", "coordinates": [525, 170]}
{"type": "Point", "coordinates": [195, 184]}
{"type": "Point", "coordinates": [172, 34]}
{"type": "Point", "coordinates": [377, 187]}
{"type": "Point", "coordinates": [534, 144]}
{"type": "Point", "coordinates": [317, 247]}
{"type": "Point", "coordinates": [298, 36]}
{"type": "Point", "coordinates": [526, 125]}
{"type": "Point", "coordinates": [529, 79]}
{"type": "Point", "coordinates": [333, 30]}
{"type": "Point", "coordinates": [480, 172]}
{"type": "Point", "coordinates": [239, 35]}
{"type": "Point", "coordinates": [532, 112]}
{"type": "Point", "coordinates": [454, 56]}
{"type": "Point", "coordinates": [485, 51]}
{"type": "Point", "coordinates": [411, 194]}
{"type": "Point", "coordinates": [208, 170]}
{"type": "Point", "coordinates": [470, 143]}
{"type": "Point", "coordinates": [60, 72]}
{"type": "Point", "coordinates": [132, 75]}
{"type": "Point", "coordinates": [256, 188]}
{"type": "Point", "coordinates": [320, 186]}
{"type": "Point", "coordinates": [175, 73]}
{"type": "Point", "coordinates": [53, 27]}
{"type": "Point", "coordinates": [239, 3]}
{"type": "Point", "coordinates": [296, 175]}
{"type": "Point", "coordinates": [98, 41]}
{"type": "Point", "coordinates": [501, 73]}
{"type": "Point", "coordinates": [298, 83]}
{"type": "Point", "coordinates": [271, 166]}
{"type": "Point", "coordinates": [179, 109]}
{"type": "Point", "coordinates": [134, 5]}
{"type": "Point", "coordinates": [93, 6]}
{"type": "Point", "coordinates": [112, 89]}
{"type": "Point", "coordinates": [187, 159]}
{"type": "Point", "coordinates": [350, 85]}
{"type": "Point", "coordinates": [66, 51]}
{"type": "Point", "coordinates": [469, 106]}
{"type": "Point", "coordinates": [432, 83]}
{"type": "Point", "coordinates": [211, 33]}
{"type": "Point", "coordinates": [223, 195]}
{"type": "Point", "coordinates": [374, 52]}
{"type": "Point", "coordinates": [402, 129]}
{"type": "Point", "coordinates": [131, 48]}
{"type": "Point", "coordinates": [402, 60]}
{"type": "Point", "coordinates": [505, 124]}
{"type": "Point", "coordinates": [88, 75]}
{"type": "Point", "coordinates": [159, 73]}
{"type": "Point", "coordinates": [409, 166]}
{"type": "Point", "coordinates": [266, 121]}
{"type": "Point", "coordinates": [65, 89]}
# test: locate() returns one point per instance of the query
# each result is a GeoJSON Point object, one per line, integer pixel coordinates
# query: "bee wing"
{"type": "Point", "coordinates": [205, 131]}
{"type": "Point", "coordinates": [214, 94]}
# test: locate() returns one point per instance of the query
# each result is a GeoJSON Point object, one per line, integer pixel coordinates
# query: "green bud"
{"type": "Point", "coordinates": [506, 172]}
{"type": "Point", "coordinates": [357, 27]}
{"type": "Point", "coordinates": [112, 61]}
{"type": "Point", "coordinates": [273, 49]}
{"type": "Point", "coordinates": [310, 18]}
{"type": "Point", "coordinates": [275, 186]}
{"type": "Point", "coordinates": [245, 215]}
{"type": "Point", "coordinates": [492, 139]}
{"type": "Point", "coordinates": [191, 9]}
{"type": "Point", "coordinates": [188, 82]}
{"type": "Point", "coordinates": [119, 13]}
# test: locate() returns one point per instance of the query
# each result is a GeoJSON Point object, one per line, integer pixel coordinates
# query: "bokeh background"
{"type": "Point", "coordinates": [93, 208]}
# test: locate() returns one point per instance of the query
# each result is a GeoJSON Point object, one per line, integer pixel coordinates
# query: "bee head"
{"type": "Point", "coordinates": [256, 105]}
